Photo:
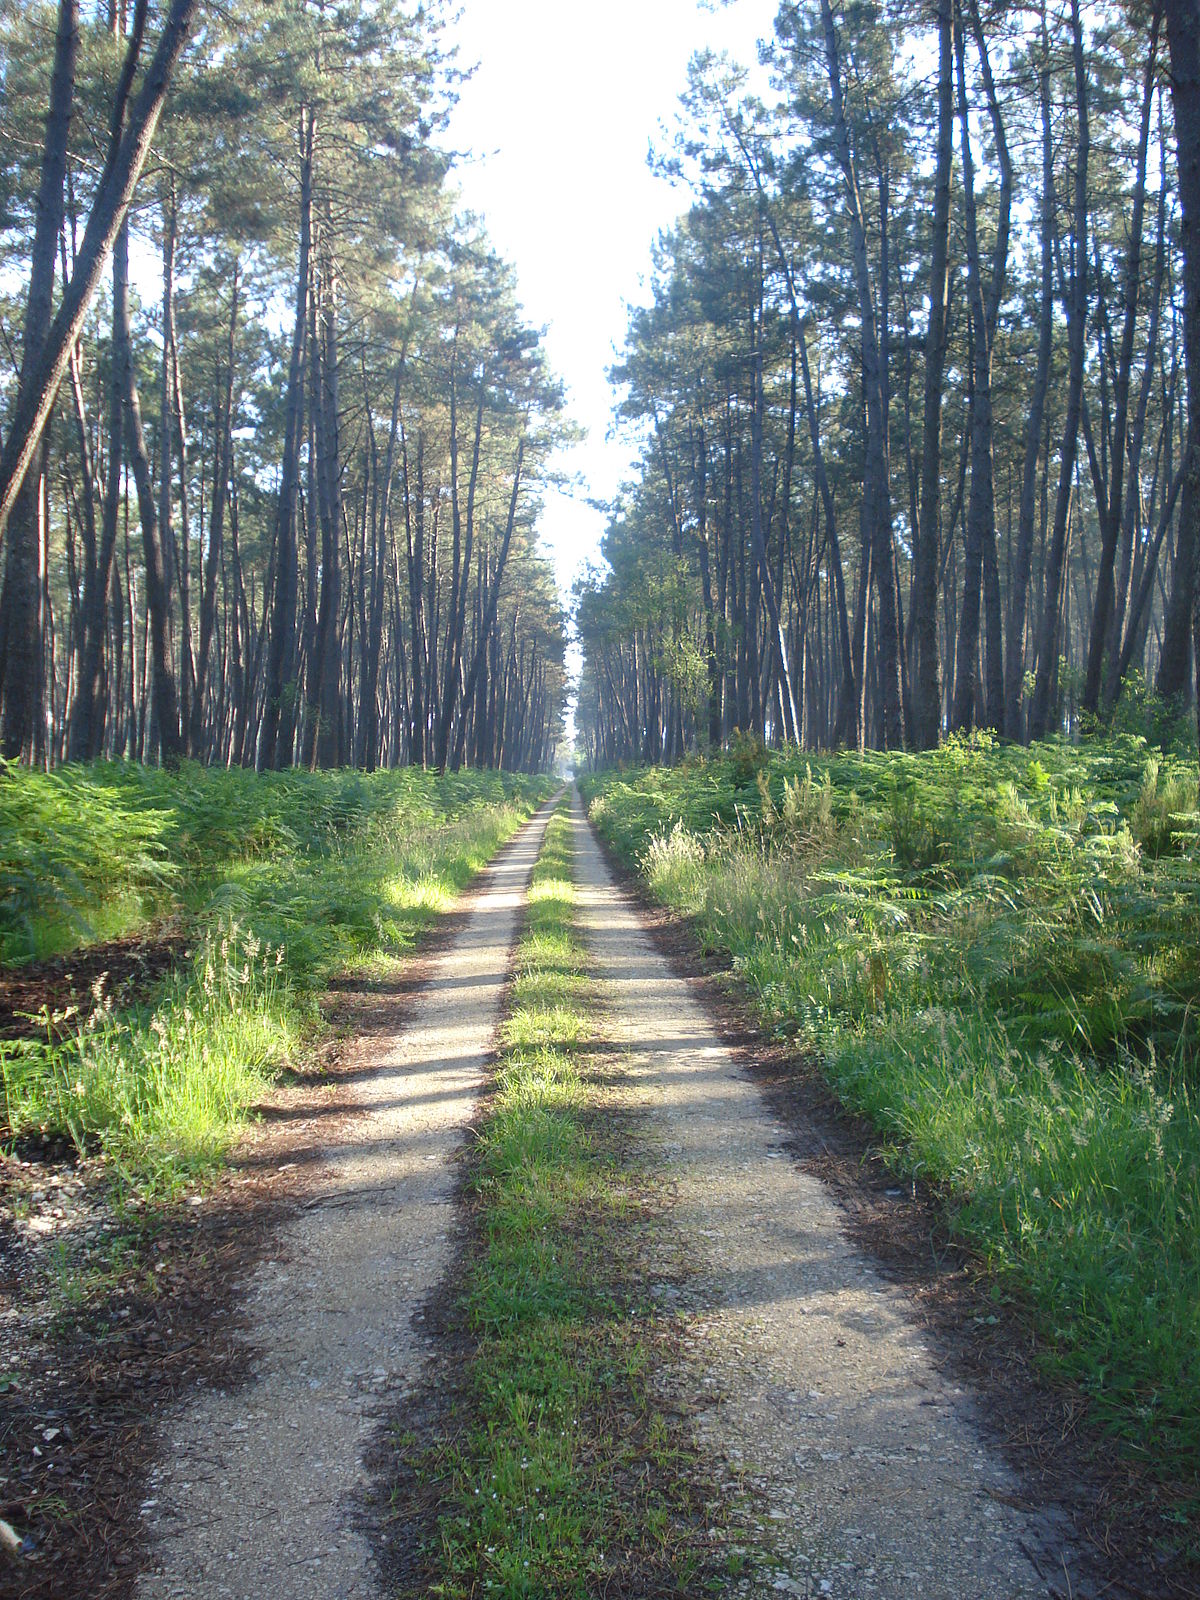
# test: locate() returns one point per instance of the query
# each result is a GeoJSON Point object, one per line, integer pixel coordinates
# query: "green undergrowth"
{"type": "Point", "coordinates": [995, 952]}
{"type": "Point", "coordinates": [280, 881]}
{"type": "Point", "coordinates": [561, 1478]}
{"type": "Point", "coordinates": [99, 851]}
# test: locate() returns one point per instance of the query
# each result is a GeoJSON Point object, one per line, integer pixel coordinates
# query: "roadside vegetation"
{"type": "Point", "coordinates": [995, 954]}
{"type": "Point", "coordinates": [559, 1476]}
{"type": "Point", "coordinates": [276, 881]}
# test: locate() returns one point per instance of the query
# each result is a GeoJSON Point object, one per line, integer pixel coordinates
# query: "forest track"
{"type": "Point", "coordinates": [836, 1447]}
{"type": "Point", "coordinates": [857, 1463]}
{"type": "Point", "coordinates": [258, 1490]}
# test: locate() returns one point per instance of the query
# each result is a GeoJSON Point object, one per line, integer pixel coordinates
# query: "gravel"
{"type": "Point", "coordinates": [851, 1465]}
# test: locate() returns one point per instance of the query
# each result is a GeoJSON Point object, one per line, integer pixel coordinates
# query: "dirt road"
{"type": "Point", "coordinates": [821, 1408]}
{"type": "Point", "coordinates": [815, 1403]}
{"type": "Point", "coordinates": [259, 1490]}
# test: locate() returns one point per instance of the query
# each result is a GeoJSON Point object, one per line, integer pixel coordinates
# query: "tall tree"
{"type": "Point", "coordinates": [1023, 559]}
{"type": "Point", "coordinates": [1076, 308]}
{"type": "Point", "coordinates": [1183, 42]}
{"type": "Point", "coordinates": [927, 684]}
{"type": "Point", "coordinates": [131, 133]}
{"type": "Point", "coordinates": [19, 634]}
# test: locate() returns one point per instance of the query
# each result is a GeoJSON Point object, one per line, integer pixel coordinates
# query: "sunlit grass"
{"type": "Point", "coordinates": [358, 870]}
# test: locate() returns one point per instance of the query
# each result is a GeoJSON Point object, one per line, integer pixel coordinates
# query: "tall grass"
{"type": "Point", "coordinates": [281, 880]}
{"type": "Point", "coordinates": [996, 955]}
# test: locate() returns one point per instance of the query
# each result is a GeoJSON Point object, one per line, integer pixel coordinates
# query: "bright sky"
{"type": "Point", "coordinates": [559, 117]}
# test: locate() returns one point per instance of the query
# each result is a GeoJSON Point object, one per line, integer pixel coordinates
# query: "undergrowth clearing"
{"type": "Point", "coordinates": [280, 881]}
{"type": "Point", "coordinates": [995, 952]}
{"type": "Point", "coordinates": [557, 1474]}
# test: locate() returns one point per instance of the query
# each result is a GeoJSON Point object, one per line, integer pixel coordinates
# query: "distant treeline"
{"type": "Point", "coordinates": [914, 387]}
{"type": "Point", "coordinates": [282, 509]}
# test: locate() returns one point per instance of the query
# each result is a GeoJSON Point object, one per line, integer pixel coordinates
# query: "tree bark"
{"type": "Point", "coordinates": [927, 686]}
{"type": "Point", "coordinates": [129, 143]}
{"type": "Point", "coordinates": [982, 583]}
{"type": "Point", "coordinates": [19, 600]}
{"type": "Point", "coordinates": [87, 718]}
{"type": "Point", "coordinates": [280, 709]}
{"type": "Point", "coordinates": [1014, 675]}
{"type": "Point", "coordinates": [158, 581]}
{"type": "Point", "coordinates": [216, 524]}
{"type": "Point", "coordinates": [1110, 496]}
{"type": "Point", "coordinates": [876, 488]}
{"type": "Point", "coordinates": [329, 497]}
{"type": "Point", "coordinates": [1039, 715]}
{"type": "Point", "coordinates": [490, 604]}
{"type": "Point", "coordinates": [1183, 41]}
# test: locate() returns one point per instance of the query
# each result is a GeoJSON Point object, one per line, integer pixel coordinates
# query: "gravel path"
{"type": "Point", "coordinates": [821, 1406]}
{"type": "Point", "coordinates": [258, 1489]}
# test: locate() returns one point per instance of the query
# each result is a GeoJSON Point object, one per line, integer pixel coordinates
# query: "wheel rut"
{"type": "Point", "coordinates": [817, 1407]}
{"type": "Point", "coordinates": [258, 1490]}
{"type": "Point", "coordinates": [856, 1463]}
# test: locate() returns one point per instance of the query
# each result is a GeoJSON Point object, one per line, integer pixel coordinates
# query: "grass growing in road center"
{"type": "Point", "coordinates": [564, 1479]}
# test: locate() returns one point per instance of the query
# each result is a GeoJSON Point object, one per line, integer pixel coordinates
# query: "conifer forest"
{"type": "Point", "coordinates": [273, 502]}
{"type": "Point", "coordinates": [600, 799]}
{"type": "Point", "coordinates": [913, 390]}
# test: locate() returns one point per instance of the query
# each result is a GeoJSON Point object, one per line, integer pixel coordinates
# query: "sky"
{"type": "Point", "coordinates": [565, 101]}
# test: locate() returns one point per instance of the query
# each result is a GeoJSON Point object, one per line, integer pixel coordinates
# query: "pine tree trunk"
{"type": "Point", "coordinates": [876, 488]}
{"type": "Point", "coordinates": [280, 709]}
{"type": "Point", "coordinates": [216, 524]}
{"type": "Point", "coordinates": [927, 687]}
{"type": "Point", "coordinates": [129, 145]}
{"type": "Point", "coordinates": [88, 715]}
{"type": "Point", "coordinates": [1110, 496]}
{"type": "Point", "coordinates": [1047, 668]}
{"type": "Point", "coordinates": [982, 585]}
{"type": "Point", "coordinates": [329, 496]}
{"type": "Point", "coordinates": [20, 657]}
{"type": "Point", "coordinates": [158, 579]}
{"type": "Point", "coordinates": [1014, 677]}
{"type": "Point", "coordinates": [492, 601]}
{"type": "Point", "coordinates": [1183, 39]}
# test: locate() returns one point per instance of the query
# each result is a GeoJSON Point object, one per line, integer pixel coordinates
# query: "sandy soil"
{"type": "Point", "coordinates": [859, 1466]}
{"type": "Point", "coordinates": [259, 1491]}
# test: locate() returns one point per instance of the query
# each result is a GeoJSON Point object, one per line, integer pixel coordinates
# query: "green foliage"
{"type": "Point", "coordinates": [162, 1089]}
{"type": "Point", "coordinates": [1164, 818]}
{"type": "Point", "coordinates": [1169, 724]}
{"type": "Point", "coordinates": [82, 851]}
{"type": "Point", "coordinates": [996, 953]}
{"type": "Point", "coordinates": [747, 755]}
{"type": "Point", "coordinates": [94, 851]}
{"type": "Point", "coordinates": [284, 879]}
